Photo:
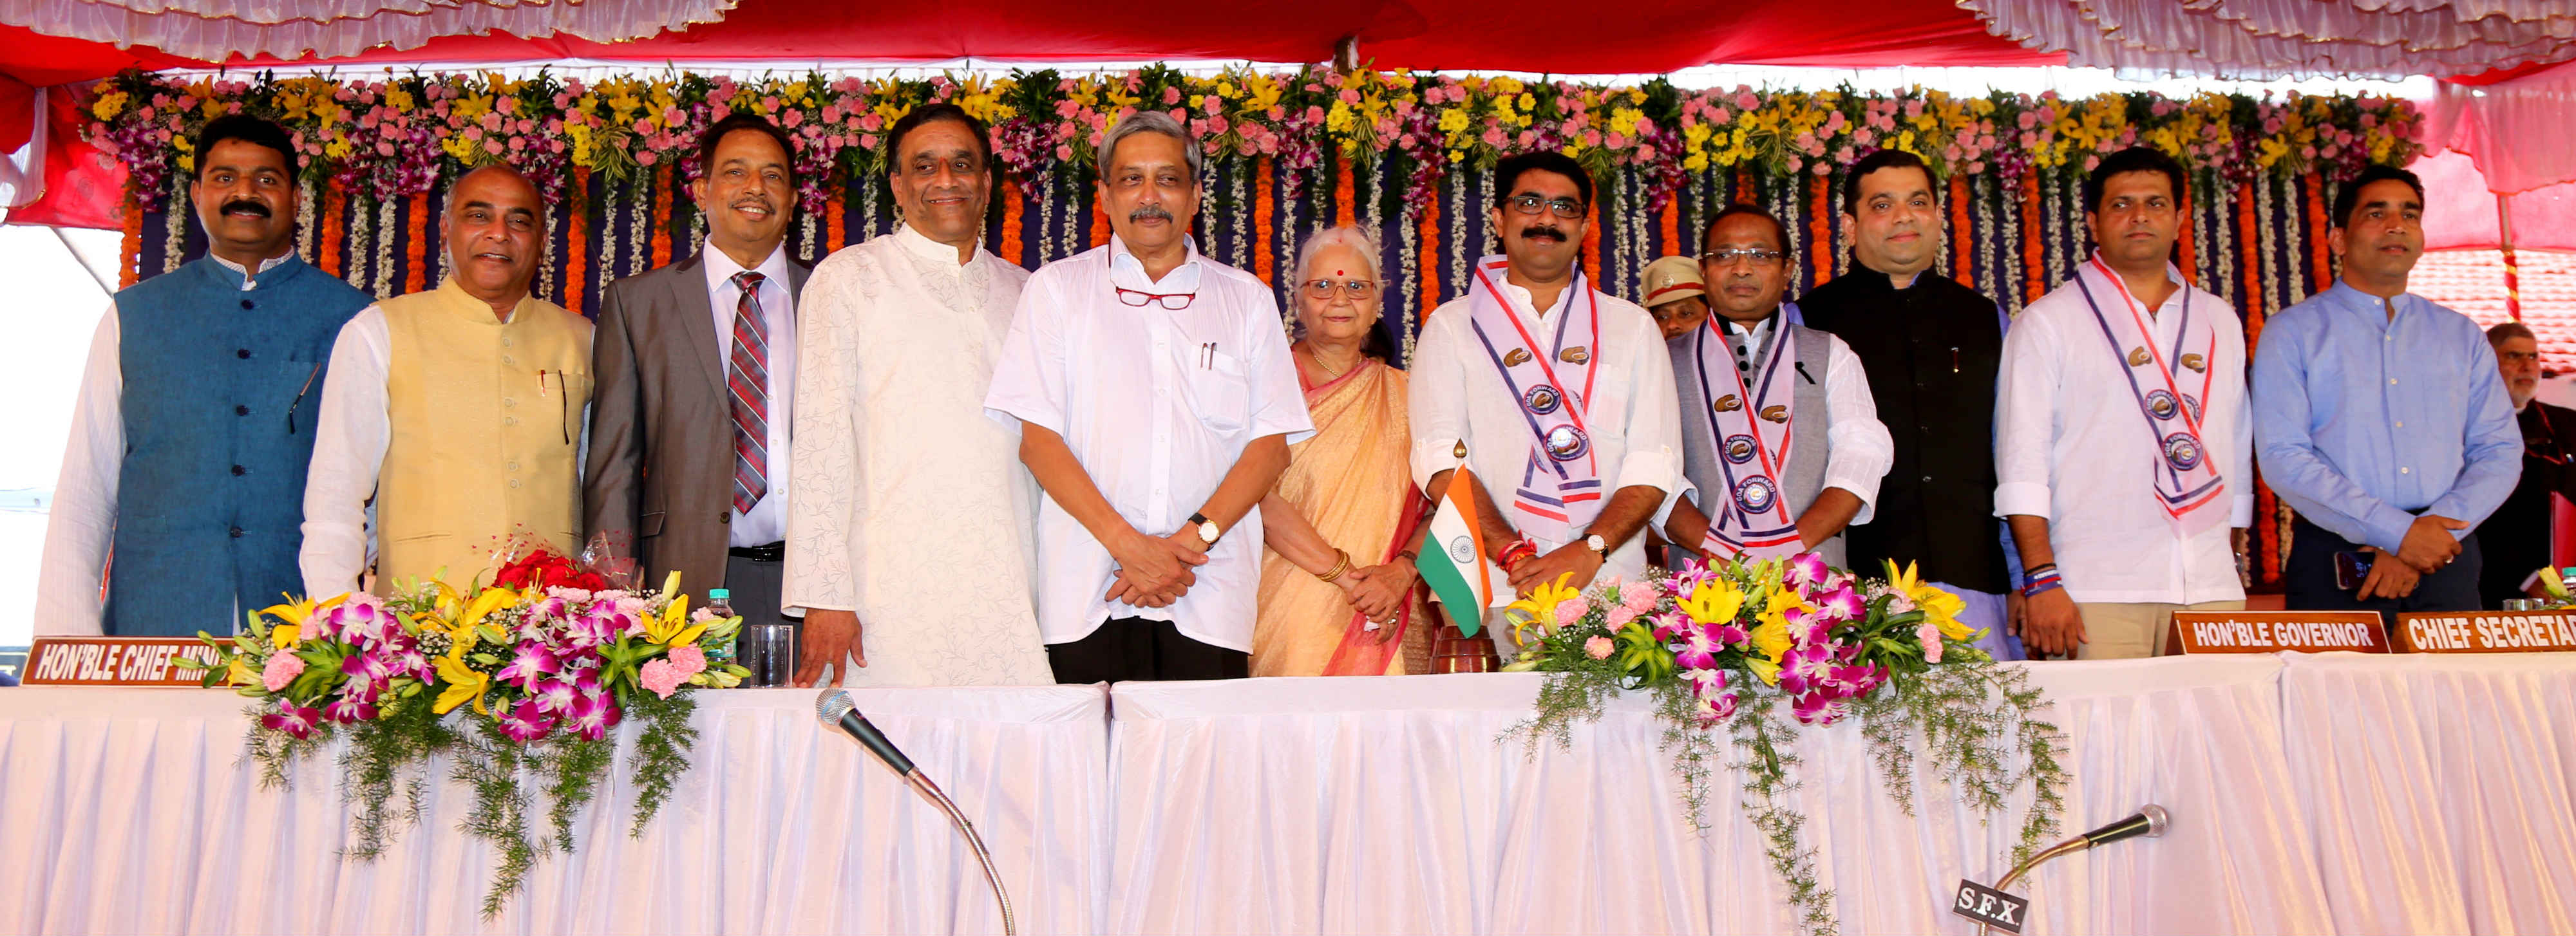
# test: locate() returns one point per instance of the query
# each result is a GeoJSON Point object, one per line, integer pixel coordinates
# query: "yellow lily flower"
{"type": "Point", "coordinates": [463, 683]}
{"type": "Point", "coordinates": [293, 614]}
{"type": "Point", "coordinates": [240, 673]}
{"type": "Point", "coordinates": [1771, 639]}
{"type": "Point", "coordinates": [1712, 602]}
{"type": "Point", "coordinates": [1540, 607]}
{"type": "Point", "coordinates": [1766, 670]}
{"type": "Point", "coordinates": [1939, 607]}
{"type": "Point", "coordinates": [672, 628]}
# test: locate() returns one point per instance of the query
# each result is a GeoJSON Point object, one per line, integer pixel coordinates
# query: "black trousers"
{"type": "Point", "coordinates": [1136, 649]}
{"type": "Point", "coordinates": [754, 587]}
{"type": "Point", "coordinates": [2309, 578]}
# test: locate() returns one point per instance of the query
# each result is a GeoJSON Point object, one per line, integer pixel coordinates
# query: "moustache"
{"type": "Point", "coordinates": [245, 205]}
{"type": "Point", "coordinates": [1149, 212]}
{"type": "Point", "coordinates": [1537, 231]}
{"type": "Point", "coordinates": [755, 201]}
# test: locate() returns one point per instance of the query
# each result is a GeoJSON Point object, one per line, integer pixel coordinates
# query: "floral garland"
{"type": "Point", "coordinates": [549, 658]}
{"type": "Point", "coordinates": [383, 139]}
{"type": "Point", "coordinates": [1725, 644]}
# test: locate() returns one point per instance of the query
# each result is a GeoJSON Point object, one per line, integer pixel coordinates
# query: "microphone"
{"type": "Point", "coordinates": [834, 706]}
{"type": "Point", "coordinates": [2149, 821]}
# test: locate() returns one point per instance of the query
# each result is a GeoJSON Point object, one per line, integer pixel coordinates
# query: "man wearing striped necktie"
{"type": "Point", "coordinates": [696, 364]}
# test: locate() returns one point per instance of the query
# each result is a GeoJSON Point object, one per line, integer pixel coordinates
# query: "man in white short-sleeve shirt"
{"type": "Point", "coordinates": [1157, 401]}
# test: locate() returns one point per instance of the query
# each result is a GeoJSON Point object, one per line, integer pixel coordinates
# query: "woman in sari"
{"type": "Point", "coordinates": [1337, 585]}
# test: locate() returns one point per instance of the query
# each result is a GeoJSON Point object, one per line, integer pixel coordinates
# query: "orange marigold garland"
{"type": "Point", "coordinates": [130, 253]}
{"type": "Point", "coordinates": [2320, 262]}
{"type": "Point", "coordinates": [1014, 204]}
{"type": "Point", "coordinates": [576, 242]}
{"type": "Point", "coordinates": [1820, 230]}
{"type": "Point", "coordinates": [326, 255]}
{"type": "Point", "coordinates": [1430, 235]}
{"type": "Point", "coordinates": [836, 231]}
{"type": "Point", "coordinates": [1671, 224]}
{"type": "Point", "coordinates": [1265, 206]}
{"type": "Point", "coordinates": [1345, 189]}
{"type": "Point", "coordinates": [663, 190]}
{"type": "Point", "coordinates": [2033, 258]}
{"type": "Point", "coordinates": [1592, 246]}
{"type": "Point", "coordinates": [416, 245]}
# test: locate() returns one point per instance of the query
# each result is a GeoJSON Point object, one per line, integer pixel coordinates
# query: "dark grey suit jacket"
{"type": "Point", "coordinates": [660, 473]}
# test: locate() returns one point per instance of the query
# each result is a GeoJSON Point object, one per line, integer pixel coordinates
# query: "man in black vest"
{"type": "Point", "coordinates": [1931, 347]}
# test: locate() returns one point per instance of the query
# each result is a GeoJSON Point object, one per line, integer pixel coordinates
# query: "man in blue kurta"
{"type": "Point", "coordinates": [2380, 417]}
{"type": "Point", "coordinates": [182, 489]}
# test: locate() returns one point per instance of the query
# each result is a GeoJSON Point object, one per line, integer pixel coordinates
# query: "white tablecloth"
{"type": "Point", "coordinates": [134, 811]}
{"type": "Point", "coordinates": [1385, 805]}
{"type": "Point", "coordinates": [2438, 788]}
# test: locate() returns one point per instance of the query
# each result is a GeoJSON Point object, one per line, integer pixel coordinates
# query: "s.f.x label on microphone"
{"type": "Point", "coordinates": [1989, 906]}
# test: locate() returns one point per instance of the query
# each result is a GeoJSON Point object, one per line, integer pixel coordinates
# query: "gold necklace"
{"type": "Point", "coordinates": [1329, 373]}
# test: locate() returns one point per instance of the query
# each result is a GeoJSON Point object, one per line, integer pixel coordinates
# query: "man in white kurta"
{"type": "Point", "coordinates": [1579, 497]}
{"type": "Point", "coordinates": [907, 508]}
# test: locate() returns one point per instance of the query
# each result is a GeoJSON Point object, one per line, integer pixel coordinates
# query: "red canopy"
{"type": "Point", "coordinates": [1638, 37]}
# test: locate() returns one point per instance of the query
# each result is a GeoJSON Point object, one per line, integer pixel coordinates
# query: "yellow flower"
{"type": "Point", "coordinates": [463, 684]}
{"type": "Point", "coordinates": [1540, 607]}
{"type": "Point", "coordinates": [109, 105]}
{"type": "Point", "coordinates": [1712, 602]}
{"type": "Point", "coordinates": [398, 99]}
{"type": "Point", "coordinates": [240, 673]}
{"type": "Point", "coordinates": [293, 614]}
{"type": "Point", "coordinates": [1767, 670]}
{"type": "Point", "coordinates": [672, 627]}
{"type": "Point", "coordinates": [1939, 607]}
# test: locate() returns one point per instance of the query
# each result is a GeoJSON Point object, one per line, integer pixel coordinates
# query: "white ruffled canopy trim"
{"type": "Point", "coordinates": [215, 29]}
{"type": "Point", "coordinates": [2273, 38]}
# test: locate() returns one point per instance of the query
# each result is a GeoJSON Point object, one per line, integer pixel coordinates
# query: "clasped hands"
{"type": "Point", "coordinates": [2428, 547]}
{"type": "Point", "coordinates": [1154, 571]}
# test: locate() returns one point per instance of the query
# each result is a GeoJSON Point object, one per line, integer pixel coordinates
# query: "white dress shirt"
{"type": "Point", "coordinates": [1858, 448]}
{"type": "Point", "coordinates": [766, 522]}
{"type": "Point", "coordinates": [2069, 448]}
{"type": "Point", "coordinates": [81, 526]}
{"type": "Point", "coordinates": [1157, 404]}
{"type": "Point", "coordinates": [1635, 426]}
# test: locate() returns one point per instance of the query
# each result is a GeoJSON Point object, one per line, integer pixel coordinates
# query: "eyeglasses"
{"type": "Point", "coordinates": [1356, 289]}
{"type": "Point", "coordinates": [1173, 301]}
{"type": "Point", "coordinates": [1759, 258]}
{"type": "Point", "coordinates": [1529, 204]}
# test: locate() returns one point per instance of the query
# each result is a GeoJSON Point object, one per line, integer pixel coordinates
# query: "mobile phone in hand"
{"type": "Point", "coordinates": [2351, 568]}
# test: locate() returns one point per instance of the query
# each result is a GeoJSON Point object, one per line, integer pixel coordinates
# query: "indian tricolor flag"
{"type": "Point", "coordinates": [1454, 562]}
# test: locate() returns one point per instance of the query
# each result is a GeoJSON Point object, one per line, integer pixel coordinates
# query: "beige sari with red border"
{"type": "Point", "coordinates": [1353, 483]}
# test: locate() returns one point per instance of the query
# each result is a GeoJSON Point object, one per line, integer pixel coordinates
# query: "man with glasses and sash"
{"type": "Point", "coordinates": [1781, 442]}
{"type": "Point", "coordinates": [2122, 446]}
{"type": "Point", "coordinates": [1156, 402]}
{"type": "Point", "coordinates": [1562, 395]}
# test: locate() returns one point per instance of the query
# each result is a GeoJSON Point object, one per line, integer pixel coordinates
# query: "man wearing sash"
{"type": "Point", "coordinates": [1780, 439]}
{"type": "Point", "coordinates": [2122, 447]}
{"type": "Point", "coordinates": [1562, 395]}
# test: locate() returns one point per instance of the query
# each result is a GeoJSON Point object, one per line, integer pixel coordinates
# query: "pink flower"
{"type": "Point", "coordinates": [660, 678]}
{"type": "Point", "coordinates": [1931, 638]}
{"type": "Point", "coordinates": [1569, 611]}
{"type": "Point", "coordinates": [282, 670]}
{"type": "Point", "coordinates": [1597, 648]}
{"type": "Point", "coordinates": [1620, 616]}
{"type": "Point", "coordinates": [296, 720]}
{"type": "Point", "coordinates": [691, 659]}
{"type": "Point", "coordinates": [527, 722]}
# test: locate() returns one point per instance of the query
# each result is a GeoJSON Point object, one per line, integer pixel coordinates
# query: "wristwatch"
{"type": "Point", "coordinates": [1598, 545]}
{"type": "Point", "coordinates": [1206, 528]}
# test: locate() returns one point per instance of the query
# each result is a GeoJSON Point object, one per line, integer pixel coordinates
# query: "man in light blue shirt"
{"type": "Point", "coordinates": [2380, 418]}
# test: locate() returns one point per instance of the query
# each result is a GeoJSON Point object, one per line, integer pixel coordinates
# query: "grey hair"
{"type": "Point", "coordinates": [2507, 331]}
{"type": "Point", "coordinates": [1355, 238]}
{"type": "Point", "coordinates": [1152, 121]}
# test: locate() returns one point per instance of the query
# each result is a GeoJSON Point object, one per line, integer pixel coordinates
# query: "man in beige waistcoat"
{"type": "Point", "coordinates": [458, 412]}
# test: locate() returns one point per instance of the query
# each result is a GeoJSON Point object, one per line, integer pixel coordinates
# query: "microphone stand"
{"type": "Point", "coordinates": [991, 875]}
{"type": "Point", "coordinates": [2149, 822]}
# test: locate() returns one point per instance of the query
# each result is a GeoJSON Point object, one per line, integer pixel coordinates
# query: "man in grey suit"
{"type": "Point", "coordinates": [695, 366]}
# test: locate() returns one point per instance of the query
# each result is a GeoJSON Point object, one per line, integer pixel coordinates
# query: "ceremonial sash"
{"type": "Point", "coordinates": [1560, 488]}
{"type": "Point", "coordinates": [2188, 485]}
{"type": "Point", "coordinates": [1749, 423]}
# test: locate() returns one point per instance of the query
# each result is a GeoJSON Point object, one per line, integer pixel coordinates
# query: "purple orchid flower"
{"type": "Point", "coordinates": [1840, 605]}
{"type": "Point", "coordinates": [1819, 709]}
{"type": "Point", "coordinates": [1806, 627]}
{"type": "Point", "coordinates": [367, 671]}
{"type": "Point", "coordinates": [1728, 634]}
{"type": "Point", "coordinates": [1705, 682]}
{"type": "Point", "coordinates": [296, 720]}
{"type": "Point", "coordinates": [531, 661]}
{"type": "Point", "coordinates": [526, 722]}
{"type": "Point", "coordinates": [1805, 571]}
{"type": "Point", "coordinates": [1806, 669]}
{"type": "Point", "coordinates": [1691, 575]}
{"type": "Point", "coordinates": [553, 696]}
{"type": "Point", "coordinates": [591, 716]}
{"type": "Point", "coordinates": [587, 681]}
{"type": "Point", "coordinates": [350, 709]}
{"type": "Point", "coordinates": [359, 620]}
{"type": "Point", "coordinates": [1699, 649]}
{"type": "Point", "coordinates": [1670, 623]}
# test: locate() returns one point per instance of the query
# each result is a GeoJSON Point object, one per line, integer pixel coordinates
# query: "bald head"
{"type": "Point", "coordinates": [494, 230]}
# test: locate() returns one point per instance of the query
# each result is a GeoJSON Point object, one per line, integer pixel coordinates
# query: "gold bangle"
{"type": "Point", "coordinates": [1338, 567]}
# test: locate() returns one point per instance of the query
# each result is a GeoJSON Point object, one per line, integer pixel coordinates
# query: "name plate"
{"type": "Point", "coordinates": [1989, 906]}
{"type": "Point", "coordinates": [2486, 631]}
{"type": "Point", "coordinates": [2275, 631]}
{"type": "Point", "coordinates": [115, 661]}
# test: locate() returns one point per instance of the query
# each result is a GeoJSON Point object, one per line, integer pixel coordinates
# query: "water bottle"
{"type": "Point", "coordinates": [719, 603]}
